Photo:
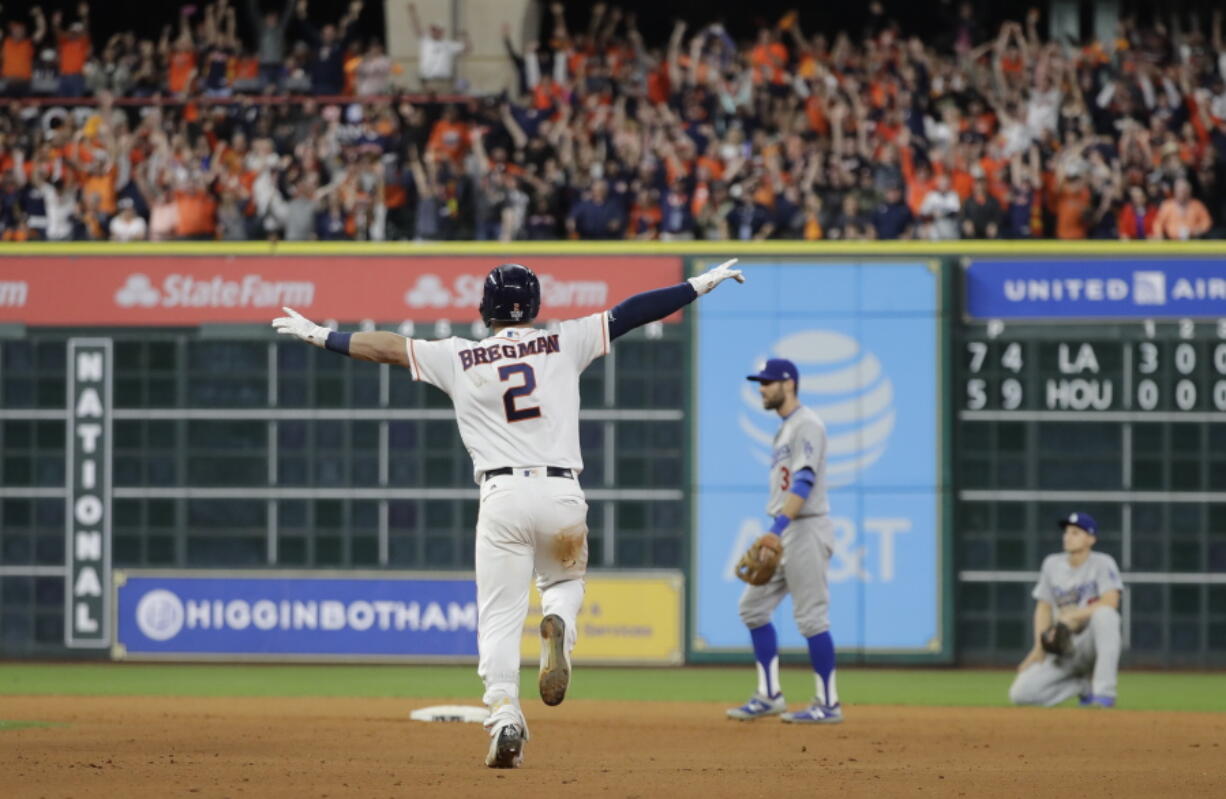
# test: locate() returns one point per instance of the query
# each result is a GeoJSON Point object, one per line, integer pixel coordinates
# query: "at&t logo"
{"type": "Point", "coordinates": [429, 292]}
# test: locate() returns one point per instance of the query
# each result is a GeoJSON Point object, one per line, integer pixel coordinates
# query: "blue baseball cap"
{"type": "Point", "coordinates": [1083, 520]}
{"type": "Point", "coordinates": [776, 369]}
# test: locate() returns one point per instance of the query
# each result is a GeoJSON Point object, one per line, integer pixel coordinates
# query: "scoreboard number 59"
{"type": "Point", "coordinates": [1172, 369]}
{"type": "Point", "coordinates": [1011, 392]}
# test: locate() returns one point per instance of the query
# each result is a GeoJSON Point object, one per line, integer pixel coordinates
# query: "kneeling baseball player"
{"type": "Point", "coordinates": [1076, 624]}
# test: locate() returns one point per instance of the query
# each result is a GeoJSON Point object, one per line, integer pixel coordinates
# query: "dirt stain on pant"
{"type": "Point", "coordinates": [570, 547]}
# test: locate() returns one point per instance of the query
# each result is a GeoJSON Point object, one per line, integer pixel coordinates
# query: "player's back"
{"type": "Point", "coordinates": [516, 393]}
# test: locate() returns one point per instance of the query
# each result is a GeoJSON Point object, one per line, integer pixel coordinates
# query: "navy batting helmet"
{"type": "Point", "coordinates": [512, 294]}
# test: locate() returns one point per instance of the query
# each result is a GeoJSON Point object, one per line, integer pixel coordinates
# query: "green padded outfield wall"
{"type": "Point", "coordinates": [230, 449]}
{"type": "Point", "coordinates": [1093, 384]}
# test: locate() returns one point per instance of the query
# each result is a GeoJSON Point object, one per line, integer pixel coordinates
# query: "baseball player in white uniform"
{"type": "Point", "coordinates": [1080, 589]}
{"type": "Point", "coordinates": [516, 398]}
{"type": "Point", "coordinates": [800, 514]}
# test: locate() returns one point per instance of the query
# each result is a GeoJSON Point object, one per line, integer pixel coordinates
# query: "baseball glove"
{"type": "Point", "coordinates": [1056, 639]}
{"type": "Point", "coordinates": [759, 562]}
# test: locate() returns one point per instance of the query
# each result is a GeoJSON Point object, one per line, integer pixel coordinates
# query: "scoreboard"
{"type": "Point", "coordinates": [1133, 370]}
{"type": "Point", "coordinates": [1060, 410]}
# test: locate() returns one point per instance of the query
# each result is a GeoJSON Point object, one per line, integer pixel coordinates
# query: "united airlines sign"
{"type": "Point", "coordinates": [1139, 288]}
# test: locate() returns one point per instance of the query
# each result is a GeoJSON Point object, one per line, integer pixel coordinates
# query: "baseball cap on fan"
{"type": "Point", "coordinates": [1083, 520]}
{"type": "Point", "coordinates": [776, 369]}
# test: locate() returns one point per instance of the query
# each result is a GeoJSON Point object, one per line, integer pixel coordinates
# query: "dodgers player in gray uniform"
{"type": "Point", "coordinates": [1082, 589]}
{"type": "Point", "coordinates": [516, 396]}
{"type": "Point", "coordinates": [800, 513]}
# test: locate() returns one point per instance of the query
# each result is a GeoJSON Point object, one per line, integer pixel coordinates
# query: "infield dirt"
{"type": "Point", "coordinates": [247, 747]}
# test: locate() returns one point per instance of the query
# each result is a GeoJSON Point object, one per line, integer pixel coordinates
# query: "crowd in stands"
{"type": "Point", "coordinates": [777, 134]}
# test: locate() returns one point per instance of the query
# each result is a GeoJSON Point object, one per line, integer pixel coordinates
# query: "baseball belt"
{"type": "Point", "coordinates": [550, 471]}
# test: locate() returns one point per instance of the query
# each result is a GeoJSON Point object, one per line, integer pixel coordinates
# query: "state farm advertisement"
{"type": "Point", "coordinates": [192, 290]}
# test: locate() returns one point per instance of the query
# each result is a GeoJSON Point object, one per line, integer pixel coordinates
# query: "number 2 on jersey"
{"type": "Point", "coordinates": [516, 414]}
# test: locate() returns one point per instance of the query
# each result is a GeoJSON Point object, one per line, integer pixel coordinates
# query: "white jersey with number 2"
{"type": "Point", "coordinates": [516, 394]}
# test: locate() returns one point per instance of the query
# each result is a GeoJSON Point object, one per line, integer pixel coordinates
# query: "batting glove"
{"type": "Point", "coordinates": [298, 325]}
{"type": "Point", "coordinates": [713, 277]}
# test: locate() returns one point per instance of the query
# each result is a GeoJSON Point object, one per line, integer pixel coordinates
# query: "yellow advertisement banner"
{"type": "Point", "coordinates": [626, 617]}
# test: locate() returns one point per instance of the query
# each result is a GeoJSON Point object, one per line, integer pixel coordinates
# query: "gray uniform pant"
{"type": "Point", "coordinates": [1092, 667]}
{"type": "Point", "coordinates": [807, 545]}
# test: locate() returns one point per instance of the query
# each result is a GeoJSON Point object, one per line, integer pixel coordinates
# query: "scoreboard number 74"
{"type": "Point", "coordinates": [1175, 367]}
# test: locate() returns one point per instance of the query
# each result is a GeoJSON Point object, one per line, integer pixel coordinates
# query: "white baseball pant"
{"type": "Point", "coordinates": [526, 525]}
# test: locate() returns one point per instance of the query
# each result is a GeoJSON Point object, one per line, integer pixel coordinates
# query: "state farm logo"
{"type": "Point", "coordinates": [428, 293]}
{"type": "Point", "coordinates": [14, 293]}
{"type": "Point", "coordinates": [186, 291]}
{"type": "Point", "coordinates": [137, 291]}
{"type": "Point", "coordinates": [465, 292]}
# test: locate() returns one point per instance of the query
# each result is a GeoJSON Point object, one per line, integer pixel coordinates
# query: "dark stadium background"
{"type": "Point", "coordinates": [655, 18]}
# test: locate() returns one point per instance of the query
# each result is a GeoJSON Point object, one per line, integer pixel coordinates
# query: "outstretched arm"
{"type": "Point", "coordinates": [377, 346]}
{"type": "Point", "coordinates": [309, 31]}
{"type": "Point", "coordinates": [287, 14]}
{"type": "Point", "coordinates": [652, 305]}
{"type": "Point", "coordinates": [40, 25]}
{"type": "Point", "coordinates": [559, 23]}
{"type": "Point", "coordinates": [414, 21]}
{"type": "Point", "coordinates": [383, 347]}
{"type": "Point", "coordinates": [518, 137]}
{"type": "Point", "coordinates": [185, 30]}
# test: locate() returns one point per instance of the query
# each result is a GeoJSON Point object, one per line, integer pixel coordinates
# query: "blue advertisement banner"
{"type": "Point", "coordinates": [283, 615]}
{"type": "Point", "coordinates": [865, 338]}
{"type": "Point", "coordinates": [1140, 288]}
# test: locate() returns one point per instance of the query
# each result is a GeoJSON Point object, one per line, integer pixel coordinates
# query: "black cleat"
{"type": "Point", "coordinates": [506, 748]}
{"type": "Point", "coordinates": [555, 669]}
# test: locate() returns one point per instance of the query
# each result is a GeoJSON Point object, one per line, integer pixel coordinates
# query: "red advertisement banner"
{"type": "Point", "coordinates": [192, 290]}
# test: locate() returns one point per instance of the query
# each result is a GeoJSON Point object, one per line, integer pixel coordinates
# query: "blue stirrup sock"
{"type": "Point", "coordinates": [766, 652]}
{"type": "Point", "coordinates": [821, 655]}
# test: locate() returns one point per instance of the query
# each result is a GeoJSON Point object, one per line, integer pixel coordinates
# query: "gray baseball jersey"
{"type": "Point", "coordinates": [800, 443]}
{"type": "Point", "coordinates": [1063, 586]}
{"type": "Point", "coordinates": [1092, 667]}
{"type": "Point", "coordinates": [808, 542]}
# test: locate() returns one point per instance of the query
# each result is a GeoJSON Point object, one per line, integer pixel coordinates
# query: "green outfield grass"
{"type": "Point", "coordinates": [919, 686]}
